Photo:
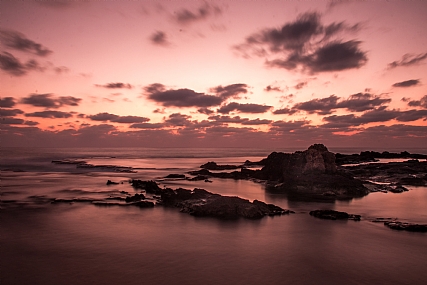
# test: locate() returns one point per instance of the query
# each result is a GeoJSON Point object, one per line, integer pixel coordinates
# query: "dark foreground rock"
{"type": "Point", "coordinates": [308, 175]}
{"type": "Point", "coordinates": [401, 226]}
{"type": "Point", "coordinates": [202, 203]}
{"type": "Point", "coordinates": [334, 215]}
{"type": "Point", "coordinates": [413, 172]}
{"type": "Point", "coordinates": [372, 156]}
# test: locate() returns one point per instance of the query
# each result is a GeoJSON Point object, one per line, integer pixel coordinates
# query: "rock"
{"type": "Point", "coordinates": [176, 176]}
{"type": "Point", "coordinates": [334, 215]}
{"type": "Point", "coordinates": [149, 186]}
{"type": "Point", "coordinates": [135, 198]}
{"type": "Point", "coordinates": [109, 182]}
{"type": "Point", "coordinates": [200, 202]}
{"type": "Point", "coordinates": [401, 226]}
{"type": "Point", "coordinates": [213, 166]}
{"type": "Point", "coordinates": [413, 181]}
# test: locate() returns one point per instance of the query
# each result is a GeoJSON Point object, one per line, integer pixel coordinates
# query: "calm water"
{"type": "Point", "coordinates": [42, 243]}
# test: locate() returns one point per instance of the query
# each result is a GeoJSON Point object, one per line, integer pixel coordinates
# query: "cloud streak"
{"type": "Point", "coordinates": [18, 41]}
{"type": "Point", "coordinates": [407, 83]}
{"type": "Point", "coordinates": [408, 60]}
{"type": "Point", "coordinates": [48, 100]}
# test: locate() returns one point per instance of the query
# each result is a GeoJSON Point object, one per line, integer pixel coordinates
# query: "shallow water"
{"type": "Point", "coordinates": [79, 243]}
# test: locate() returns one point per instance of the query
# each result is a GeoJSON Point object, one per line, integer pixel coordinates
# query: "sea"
{"type": "Point", "coordinates": [82, 243]}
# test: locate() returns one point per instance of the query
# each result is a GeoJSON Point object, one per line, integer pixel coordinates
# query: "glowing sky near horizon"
{"type": "Point", "coordinates": [213, 73]}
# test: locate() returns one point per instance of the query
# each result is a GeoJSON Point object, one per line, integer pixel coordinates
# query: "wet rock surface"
{"type": "Point", "coordinates": [334, 215]}
{"type": "Point", "coordinates": [201, 203]}
{"type": "Point", "coordinates": [413, 172]}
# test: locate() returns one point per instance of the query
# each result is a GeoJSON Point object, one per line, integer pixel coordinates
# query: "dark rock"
{"type": "Point", "coordinates": [135, 198]}
{"type": "Point", "coordinates": [109, 182]}
{"type": "Point", "coordinates": [198, 178]}
{"type": "Point", "coordinates": [176, 176]}
{"type": "Point", "coordinates": [413, 181]}
{"type": "Point", "coordinates": [149, 186]}
{"type": "Point", "coordinates": [200, 202]}
{"type": "Point", "coordinates": [213, 166]}
{"type": "Point", "coordinates": [334, 215]}
{"type": "Point", "coordinates": [401, 226]}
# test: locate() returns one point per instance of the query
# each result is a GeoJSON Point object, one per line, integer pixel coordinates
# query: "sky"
{"type": "Point", "coordinates": [272, 73]}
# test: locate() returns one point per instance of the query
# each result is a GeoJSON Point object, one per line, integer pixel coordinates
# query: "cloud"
{"type": "Point", "coordinates": [301, 85]}
{"type": "Point", "coordinates": [159, 38]}
{"type": "Point", "coordinates": [286, 111]}
{"type": "Point", "coordinates": [185, 16]}
{"type": "Point", "coordinates": [243, 108]}
{"type": "Point", "coordinates": [407, 83]}
{"type": "Point", "coordinates": [321, 106]}
{"type": "Point", "coordinates": [287, 126]}
{"type": "Point", "coordinates": [147, 126]}
{"type": "Point", "coordinates": [7, 102]}
{"type": "Point", "coordinates": [419, 103]}
{"type": "Point", "coordinates": [16, 121]}
{"type": "Point", "coordinates": [408, 60]}
{"type": "Point", "coordinates": [307, 44]}
{"type": "Point", "coordinates": [10, 112]}
{"type": "Point", "coordinates": [103, 117]}
{"type": "Point", "coordinates": [50, 114]}
{"type": "Point", "coordinates": [178, 120]}
{"type": "Point", "coordinates": [270, 88]}
{"type": "Point", "coordinates": [115, 85]}
{"type": "Point", "coordinates": [180, 97]}
{"type": "Point", "coordinates": [13, 66]}
{"type": "Point", "coordinates": [47, 100]}
{"type": "Point", "coordinates": [357, 103]}
{"type": "Point", "coordinates": [373, 116]}
{"type": "Point", "coordinates": [257, 122]}
{"type": "Point", "coordinates": [227, 119]}
{"type": "Point", "coordinates": [230, 91]}
{"type": "Point", "coordinates": [205, 111]}
{"type": "Point", "coordinates": [18, 41]}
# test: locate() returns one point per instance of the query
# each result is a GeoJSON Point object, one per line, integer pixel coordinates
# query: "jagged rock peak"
{"type": "Point", "coordinates": [319, 147]}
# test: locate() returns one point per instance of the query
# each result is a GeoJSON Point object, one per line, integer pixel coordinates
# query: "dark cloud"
{"type": "Point", "coordinates": [243, 108]}
{"type": "Point", "coordinates": [49, 101]}
{"type": "Point", "coordinates": [7, 102]}
{"type": "Point", "coordinates": [18, 41]}
{"type": "Point", "coordinates": [306, 44]}
{"type": "Point", "coordinates": [147, 126]}
{"type": "Point", "coordinates": [419, 103]}
{"type": "Point", "coordinates": [230, 91]}
{"type": "Point", "coordinates": [180, 97]}
{"type": "Point", "coordinates": [408, 60]}
{"type": "Point", "coordinates": [61, 69]}
{"type": "Point", "coordinates": [178, 120]}
{"type": "Point", "coordinates": [13, 66]}
{"type": "Point", "coordinates": [301, 85]}
{"type": "Point", "coordinates": [373, 116]}
{"type": "Point", "coordinates": [185, 16]}
{"type": "Point", "coordinates": [362, 102]}
{"type": "Point", "coordinates": [227, 119]}
{"type": "Point", "coordinates": [205, 111]}
{"type": "Point", "coordinates": [16, 121]}
{"type": "Point", "coordinates": [115, 85]}
{"type": "Point", "coordinates": [357, 103]}
{"type": "Point", "coordinates": [412, 115]}
{"type": "Point", "coordinates": [407, 83]}
{"type": "Point", "coordinates": [10, 112]}
{"type": "Point", "coordinates": [322, 106]}
{"type": "Point", "coordinates": [257, 122]}
{"type": "Point", "coordinates": [50, 114]}
{"type": "Point", "coordinates": [286, 111]}
{"type": "Point", "coordinates": [287, 126]}
{"type": "Point", "coordinates": [103, 117]}
{"type": "Point", "coordinates": [270, 88]}
{"type": "Point", "coordinates": [159, 38]}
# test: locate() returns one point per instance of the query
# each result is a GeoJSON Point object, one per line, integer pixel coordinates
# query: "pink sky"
{"type": "Point", "coordinates": [213, 73]}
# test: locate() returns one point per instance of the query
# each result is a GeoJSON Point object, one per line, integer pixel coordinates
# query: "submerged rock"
{"type": "Point", "coordinates": [334, 215]}
{"type": "Point", "coordinates": [211, 165]}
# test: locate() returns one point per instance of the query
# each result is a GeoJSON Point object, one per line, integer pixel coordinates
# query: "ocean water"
{"type": "Point", "coordinates": [80, 243]}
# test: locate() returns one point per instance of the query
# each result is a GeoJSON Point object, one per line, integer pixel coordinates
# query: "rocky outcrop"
{"type": "Point", "coordinates": [200, 202]}
{"type": "Point", "coordinates": [211, 165]}
{"type": "Point", "coordinates": [411, 172]}
{"type": "Point", "coordinates": [334, 215]}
